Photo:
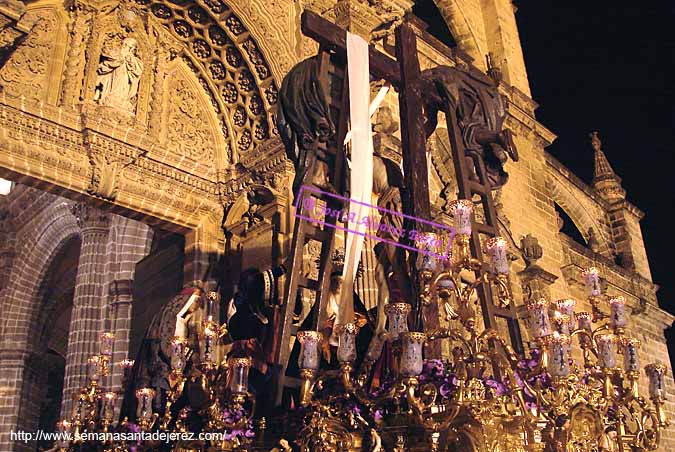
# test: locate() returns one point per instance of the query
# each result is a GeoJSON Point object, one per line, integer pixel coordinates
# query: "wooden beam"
{"type": "Point", "coordinates": [335, 38]}
{"type": "Point", "coordinates": [413, 135]}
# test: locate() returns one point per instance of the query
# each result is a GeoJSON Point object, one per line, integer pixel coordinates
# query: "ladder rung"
{"type": "Point", "coordinates": [478, 188]}
{"type": "Point", "coordinates": [313, 231]}
{"type": "Point", "coordinates": [308, 283]}
{"type": "Point", "coordinates": [502, 312]}
{"type": "Point", "coordinates": [485, 229]}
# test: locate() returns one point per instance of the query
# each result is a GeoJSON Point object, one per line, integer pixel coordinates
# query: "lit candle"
{"type": "Point", "coordinates": [539, 322]}
{"type": "Point", "coordinates": [144, 397]}
{"type": "Point", "coordinates": [126, 365]}
{"type": "Point", "coordinates": [108, 408]}
{"type": "Point", "coordinates": [617, 316]}
{"type": "Point", "coordinates": [107, 340]}
{"type": "Point", "coordinates": [209, 351]}
{"type": "Point", "coordinates": [566, 307]}
{"type": "Point", "coordinates": [346, 352]}
{"type": "Point", "coordinates": [592, 280]}
{"type": "Point", "coordinates": [496, 249]}
{"type": "Point", "coordinates": [562, 322]}
{"type": "Point", "coordinates": [309, 353]}
{"type": "Point", "coordinates": [428, 245]}
{"type": "Point", "coordinates": [607, 350]}
{"type": "Point", "coordinates": [631, 359]}
{"type": "Point", "coordinates": [178, 354]}
{"type": "Point", "coordinates": [63, 427]}
{"type": "Point", "coordinates": [397, 314]}
{"type": "Point", "coordinates": [411, 353]}
{"type": "Point", "coordinates": [584, 321]}
{"type": "Point", "coordinates": [461, 210]}
{"type": "Point", "coordinates": [239, 368]}
{"type": "Point", "coordinates": [93, 368]}
{"type": "Point", "coordinates": [656, 373]}
{"type": "Point", "coordinates": [211, 302]}
{"type": "Point", "coordinates": [558, 363]}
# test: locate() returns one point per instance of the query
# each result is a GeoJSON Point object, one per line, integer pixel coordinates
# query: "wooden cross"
{"type": "Point", "coordinates": [404, 74]}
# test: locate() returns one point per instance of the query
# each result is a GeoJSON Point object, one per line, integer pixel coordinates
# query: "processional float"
{"type": "Point", "coordinates": [395, 390]}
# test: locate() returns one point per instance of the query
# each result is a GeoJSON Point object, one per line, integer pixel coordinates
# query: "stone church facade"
{"type": "Point", "coordinates": [118, 190]}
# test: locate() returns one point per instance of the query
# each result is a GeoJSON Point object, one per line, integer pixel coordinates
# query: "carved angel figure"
{"type": "Point", "coordinates": [119, 73]}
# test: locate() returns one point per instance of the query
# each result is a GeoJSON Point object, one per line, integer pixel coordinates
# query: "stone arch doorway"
{"type": "Point", "coordinates": [56, 294]}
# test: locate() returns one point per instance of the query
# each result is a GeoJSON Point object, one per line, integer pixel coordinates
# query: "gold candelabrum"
{"type": "Point", "coordinates": [93, 408]}
{"type": "Point", "coordinates": [224, 382]}
{"type": "Point", "coordinates": [496, 400]}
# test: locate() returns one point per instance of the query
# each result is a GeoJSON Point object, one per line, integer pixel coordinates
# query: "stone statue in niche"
{"type": "Point", "coordinates": [119, 73]}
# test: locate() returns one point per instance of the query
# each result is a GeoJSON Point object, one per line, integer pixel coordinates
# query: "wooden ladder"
{"type": "Point", "coordinates": [468, 188]}
{"type": "Point", "coordinates": [333, 76]}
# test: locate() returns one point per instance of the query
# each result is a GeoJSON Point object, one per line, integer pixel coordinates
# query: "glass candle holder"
{"type": "Point", "coordinates": [656, 373]}
{"type": "Point", "coordinates": [309, 353]}
{"type": "Point", "coordinates": [239, 368]}
{"type": "Point", "coordinates": [559, 359]}
{"type": "Point", "coordinates": [346, 352]}
{"type": "Point", "coordinates": [607, 345]}
{"type": "Point", "coordinates": [108, 406]}
{"type": "Point", "coordinates": [94, 368]}
{"type": "Point", "coordinates": [591, 278]}
{"type": "Point", "coordinates": [107, 340]}
{"type": "Point", "coordinates": [397, 314]}
{"type": "Point", "coordinates": [584, 322]}
{"type": "Point", "coordinates": [209, 344]}
{"type": "Point", "coordinates": [412, 360]}
{"type": "Point", "coordinates": [126, 365]}
{"type": "Point", "coordinates": [211, 303]}
{"type": "Point", "coordinates": [461, 210]}
{"type": "Point", "coordinates": [539, 323]}
{"type": "Point", "coordinates": [631, 357]}
{"type": "Point", "coordinates": [178, 354]}
{"type": "Point", "coordinates": [144, 398]}
{"type": "Point", "coordinates": [617, 316]}
{"type": "Point", "coordinates": [428, 245]}
{"type": "Point", "coordinates": [566, 307]}
{"type": "Point", "coordinates": [496, 250]}
{"type": "Point", "coordinates": [63, 427]}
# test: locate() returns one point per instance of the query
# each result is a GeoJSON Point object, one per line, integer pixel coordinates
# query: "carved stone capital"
{"type": "Point", "coordinates": [90, 219]}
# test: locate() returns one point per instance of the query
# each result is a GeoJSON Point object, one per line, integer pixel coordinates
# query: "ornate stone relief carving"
{"type": "Point", "coordinates": [26, 73]}
{"type": "Point", "coordinates": [189, 133]}
{"type": "Point", "coordinates": [230, 67]}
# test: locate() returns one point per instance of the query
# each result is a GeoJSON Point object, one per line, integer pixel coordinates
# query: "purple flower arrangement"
{"type": "Point", "coordinates": [234, 416]}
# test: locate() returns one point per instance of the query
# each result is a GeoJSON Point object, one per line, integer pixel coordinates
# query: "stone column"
{"type": "Point", "coordinates": [21, 397]}
{"type": "Point", "coordinates": [88, 300]}
{"type": "Point", "coordinates": [203, 247]}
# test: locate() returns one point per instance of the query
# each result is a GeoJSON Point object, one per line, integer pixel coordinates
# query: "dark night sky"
{"type": "Point", "coordinates": [610, 68]}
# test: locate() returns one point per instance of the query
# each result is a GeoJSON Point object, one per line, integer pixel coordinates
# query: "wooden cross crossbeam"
{"type": "Point", "coordinates": [404, 75]}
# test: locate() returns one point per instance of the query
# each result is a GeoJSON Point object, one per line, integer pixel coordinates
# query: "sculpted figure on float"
{"type": "Point", "coordinates": [481, 111]}
{"type": "Point", "coordinates": [304, 123]}
{"type": "Point", "coordinates": [119, 73]}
